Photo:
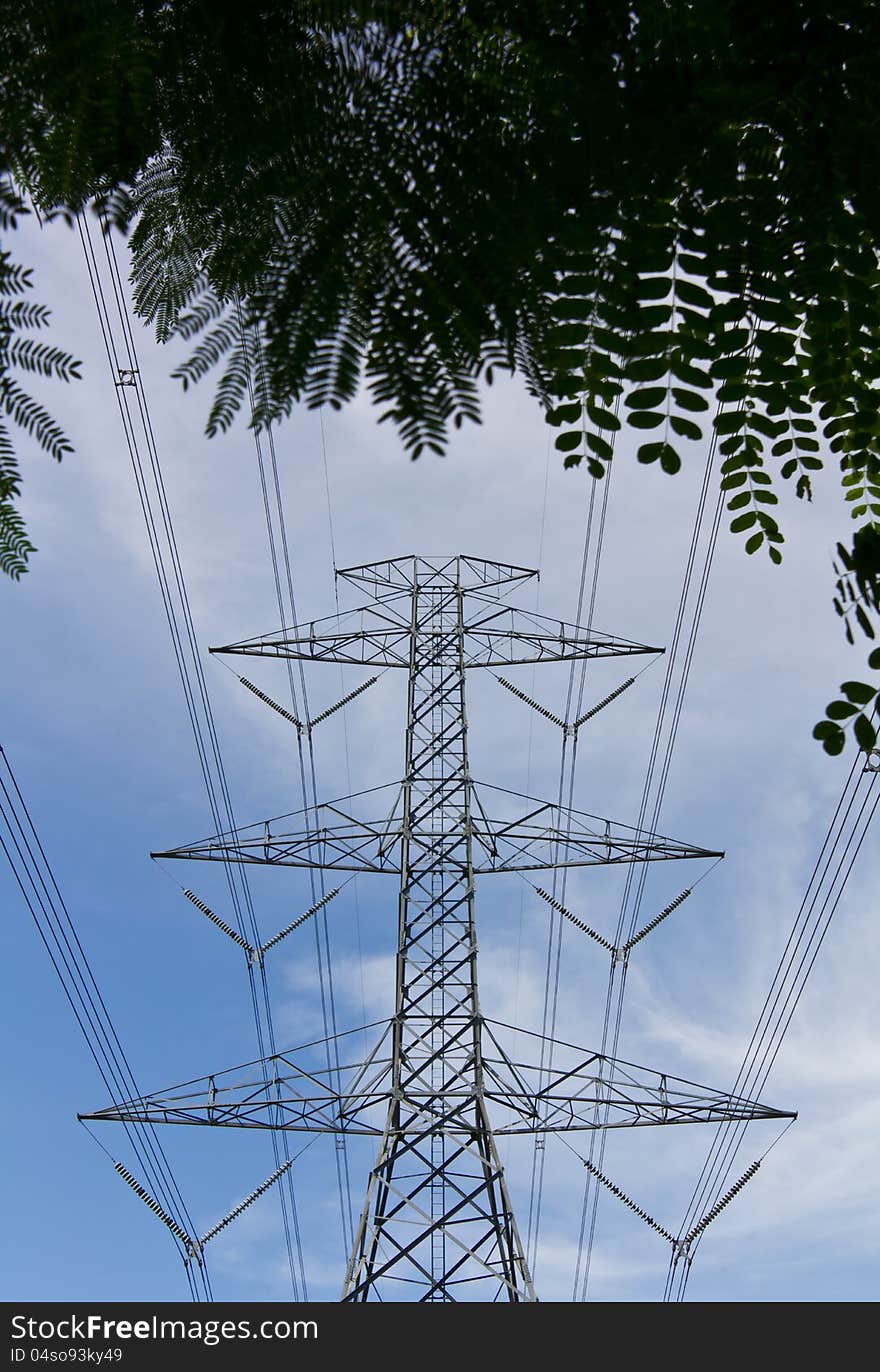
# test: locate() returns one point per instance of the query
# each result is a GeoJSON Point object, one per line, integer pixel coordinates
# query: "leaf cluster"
{"type": "Point", "coordinates": [19, 316]}
{"type": "Point", "coordinates": [664, 215]}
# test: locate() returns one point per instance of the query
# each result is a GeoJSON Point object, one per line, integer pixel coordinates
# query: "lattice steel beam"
{"type": "Point", "coordinates": [525, 1097]}
{"type": "Point", "coordinates": [542, 835]}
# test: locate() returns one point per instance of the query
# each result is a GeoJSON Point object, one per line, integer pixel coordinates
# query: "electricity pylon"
{"type": "Point", "coordinates": [437, 1222]}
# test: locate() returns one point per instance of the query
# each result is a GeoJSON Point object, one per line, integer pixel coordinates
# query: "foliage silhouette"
{"type": "Point", "coordinates": [664, 216]}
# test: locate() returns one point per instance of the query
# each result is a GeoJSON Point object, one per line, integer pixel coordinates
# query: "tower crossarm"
{"type": "Point", "coordinates": [461, 571]}
{"type": "Point", "coordinates": [571, 1090]}
{"type": "Point", "coordinates": [289, 1090]}
{"type": "Point", "coordinates": [502, 636]}
{"type": "Point", "coordinates": [375, 635]}
{"type": "Point", "coordinates": [539, 834]}
{"type": "Point", "coordinates": [326, 836]}
{"type": "Point", "coordinates": [492, 635]}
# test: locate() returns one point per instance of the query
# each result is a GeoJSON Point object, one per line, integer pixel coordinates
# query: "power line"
{"type": "Point", "coordinates": [618, 970]}
{"type": "Point", "coordinates": [125, 370]}
{"type": "Point", "coordinates": [42, 895]}
{"type": "Point", "coordinates": [844, 837]}
{"type": "Point", "coordinates": [305, 749]}
{"type": "Point", "coordinates": [558, 885]}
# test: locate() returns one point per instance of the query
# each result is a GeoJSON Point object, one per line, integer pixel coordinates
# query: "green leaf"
{"type": "Point", "coordinates": [568, 441]}
{"type": "Point", "coordinates": [775, 554]}
{"type": "Point", "coordinates": [774, 311]}
{"type": "Point", "coordinates": [754, 543]}
{"type": "Point", "coordinates": [573, 309]}
{"type": "Point", "coordinates": [649, 452]}
{"type": "Point", "coordinates": [839, 709]}
{"type": "Point", "coordinates": [730, 422]}
{"type": "Point", "coordinates": [735, 341]}
{"type": "Point", "coordinates": [767, 427]}
{"type": "Point", "coordinates": [599, 446]}
{"type": "Point", "coordinates": [685, 428]}
{"type": "Point", "coordinates": [693, 295]}
{"type": "Point", "coordinates": [567, 335]}
{"type": "Point", "coordinates": [738, 501]}
{"type": "Point", "coordinates": [563, 414]}
{"type": "Point", "coordinates": [603, 419]}
{"type": "Point", "coordinates": [732, 392]}
{"type": "Point", "coordinates": [743, 521]}
{"type": "Point", "coordinates": [831, 736]}
{"type": "Point", "coordinates": [691, 376]}
{"type": "Point", "coordinates": [865, 732]}
{"type": "Point", "coordinates": [653, 287]}
{"type": "Point", "coordinates": [728, 312]}
{"type": "Point", "coordinates": [646, 368]}
{"type": "Point", "coordinates": [646, 398]}
{"type": "Point", "coordinates": [858, 692]}
{"type": "Point", "coordinates": [729, 368]}
{"type": "Point", "coordinates": [778, 345]}
{"type": "Point", "coordinates": [640, 420]}
{"type": "Point", "coordinates": [874, 660]}
{"type": "Point", "coordinates": [651, 316]}
{"type": "Point", "coordinates": [689, 400]}
{"type": "Point", "coordinates": [690, 346]}
{"type": "Point", "coordinates": [670, 460]}
{"type": "Point", "coordinates": [576, 283]}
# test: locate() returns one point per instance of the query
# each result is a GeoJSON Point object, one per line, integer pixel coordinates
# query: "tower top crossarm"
{"type": "Point", "coordinates": [495, 634]}
{"type": "Point", "coordinates": [460, 571]}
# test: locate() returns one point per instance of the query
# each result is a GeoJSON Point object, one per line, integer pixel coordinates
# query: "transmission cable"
{"type": "Point", "coordinates": [36, 881]}
{"type": "Point", "coordinates": [235, 875]}
{"type": "Point", "coordinates": [545, 485]}
{"type": "Point", "coordinates": [335, 579]}
{"type": "Point", "coordinates": [837, 856]}
{"type": "Point", "coordinates": [618, 971]}
{"type": "Point", "coordinates": [174, 596]}
{"type": "Point", "coordinates": [558, 883]}
{"type": "Point", "coordinates": [252, 349]}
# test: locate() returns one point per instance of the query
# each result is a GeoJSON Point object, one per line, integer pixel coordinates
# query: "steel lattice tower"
{"type": "Point", "coordinates": [437, 1223]}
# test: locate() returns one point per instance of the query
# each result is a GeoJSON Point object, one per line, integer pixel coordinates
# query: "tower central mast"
{"type": "Point", "coordinates": [437, 1211]}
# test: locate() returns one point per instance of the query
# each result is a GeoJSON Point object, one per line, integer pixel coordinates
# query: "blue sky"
{"type": "Point", "coordinates": [95, 728]}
